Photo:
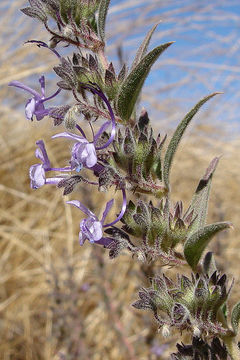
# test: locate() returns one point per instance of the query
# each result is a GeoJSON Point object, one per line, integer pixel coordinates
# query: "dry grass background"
{"type": "Point", "coordinates": [55, 296]}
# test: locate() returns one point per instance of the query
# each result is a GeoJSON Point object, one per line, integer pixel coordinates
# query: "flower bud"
{"type": "Point", "coordinates": [141, 256]}
{"type": "Point", "coordinates": [166, 331]}
{"type": "Point", "coordinates": [196, 331]}
{"type": "Point", "coordinates": [70, 118]}
{"type": "Point", "coordinates": [68, 31]}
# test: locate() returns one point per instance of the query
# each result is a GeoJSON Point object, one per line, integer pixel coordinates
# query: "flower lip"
{"type": "Point", "coordinates": [83, 152]}
{"type": "Point", "coordinates": [34, 105]}
{"type": "Point", "coordinates": [37, 176]}
{"type": "Point", "coordinates": [37, 172]}
{"type": "Point", "coordinates": [41, 154]}
{"type": "Point", "coordinates": [91, 228]}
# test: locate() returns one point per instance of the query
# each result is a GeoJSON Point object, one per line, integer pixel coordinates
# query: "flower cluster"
{"type": "Point", "coordinates": [124, 153]}
{"type": "Point", "coordinates": [190, 304]}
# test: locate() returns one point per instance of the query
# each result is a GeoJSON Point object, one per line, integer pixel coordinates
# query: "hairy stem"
{"type": "Point", "coordinates": [232, 347]}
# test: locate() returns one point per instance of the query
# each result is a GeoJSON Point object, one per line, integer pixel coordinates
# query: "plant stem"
{"type": "Point", "coordinates": [232, 347]}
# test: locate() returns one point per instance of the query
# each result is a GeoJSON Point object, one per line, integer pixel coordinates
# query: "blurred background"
{"type": "Point", "coordinates": [62, 301]}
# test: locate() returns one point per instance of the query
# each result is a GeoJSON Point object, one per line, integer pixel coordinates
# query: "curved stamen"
{"type": "Point", "coordinates": [124, 206]}
{"type": "Point", "coordinates": [98, 91]}
{"type": "Point", "coordinates": [81, 130]}
{"type": "Point", "coordinates": [101, 130]}
{"type": "Point", "coordinates": [43, 44]}
{"type": "Point", "coordinates": [52, 96]}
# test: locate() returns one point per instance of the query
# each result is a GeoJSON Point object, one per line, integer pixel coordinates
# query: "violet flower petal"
{"type": "Point", "coordinates": [40, 114]}
{"type": "Point", "coordinates": [20, 85]}
{"type": "Point", "coordinates": [107, 209]}
{"type": "Point", "coordinates": [70, 136]}
{"type": "Point", "coordinates": [37, 176]}
{"type": "Point", "coordinates": [30, 108]}
{"type": "Point", "coordinates": [92, 229]}
{"type": "Point", "coordinates": [42, 84]}
{"type": "Point", "coordinates": [40, 110]}
{"type": "Point", "coordinates": [88, 155]}
{"type": "Point", "coordinates": [82, 207]}
{"type": "Point", "coordinates": [82, 238]}
{"type": "Point", "coordinates": [41, 154]}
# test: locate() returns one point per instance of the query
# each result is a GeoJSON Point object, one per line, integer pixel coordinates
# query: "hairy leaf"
{"type": "Point", "coordinates": [143, 47]}
{"type": "Point", "coordinates": [102, 14]}
{"type": "Point", "coordinates": [35, 13]}
{"type": "Point", "coordinates": [199, 203]}
{"type": "Point", "coordinates": [196, 243]}
{"type": "Point", "coordinates": [235, 317]}
{"type": "Point", "coordinates": [132, 85]}
{"type": "Point", "coordinates": [172, 147]}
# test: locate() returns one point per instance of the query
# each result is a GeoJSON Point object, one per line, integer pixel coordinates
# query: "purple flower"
{"type": "Point", "coordinates": [83, 152]}
{"type": "Point", "coordinates": [43, 44]}
{"type": "Point", "coordinates": [35, 105]}
{"type": "Point", "coordinates": [91, 228]}
{"type": "Point", "coordinates": [37, 172]}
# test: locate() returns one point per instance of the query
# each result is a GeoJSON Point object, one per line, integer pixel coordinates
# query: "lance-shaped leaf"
{"type": "Point", "coordinates": [143, 47]}
{"type": "Point", "coordinates": [132, 85]}
{"type": "Point", "coordinates": [199, 203]}
{"type": "Point", "coordinates": [35, 13]}
{"type": "Point", "coordinates": [172, 147]}
{"type": "Point", "coordinates": [102, 15]}
{"type": "Point", "coordinates": [196, 243]}
{"type": "Point", "coordinates": [235, 317]}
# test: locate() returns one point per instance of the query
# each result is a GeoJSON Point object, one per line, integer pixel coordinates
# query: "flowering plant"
{"type": "Point", "coordinates": [124, 153]}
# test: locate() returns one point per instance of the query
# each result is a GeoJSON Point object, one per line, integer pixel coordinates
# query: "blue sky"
{"type": "Point", "coordinates": [205, 57]}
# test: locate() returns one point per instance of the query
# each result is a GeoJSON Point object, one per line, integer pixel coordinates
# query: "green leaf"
{"type": "Point", "coordinates": [35, 13]}
{"type": "Point", "coordinates": [172, 147]}
{"type": "Point", "coordinates": [196, 243]}
{"type": "Point", "coordinates": [143, 47]}
{"type": "Point", "coordinates": [102, 15]}
{"type": "Point", "coordinates": [209, 265]}
{"type": "Point", "coordinates": [66, 9]}
{"type": "Point", "coordinates": [235, 317]}
{"type": "Point", "coordinates": [132, 85]}
{"type": "Point", "coordinates": [199, 203]}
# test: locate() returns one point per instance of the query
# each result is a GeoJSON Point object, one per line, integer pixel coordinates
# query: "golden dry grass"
{"type": "Point", "coordinates": [57, 297]}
